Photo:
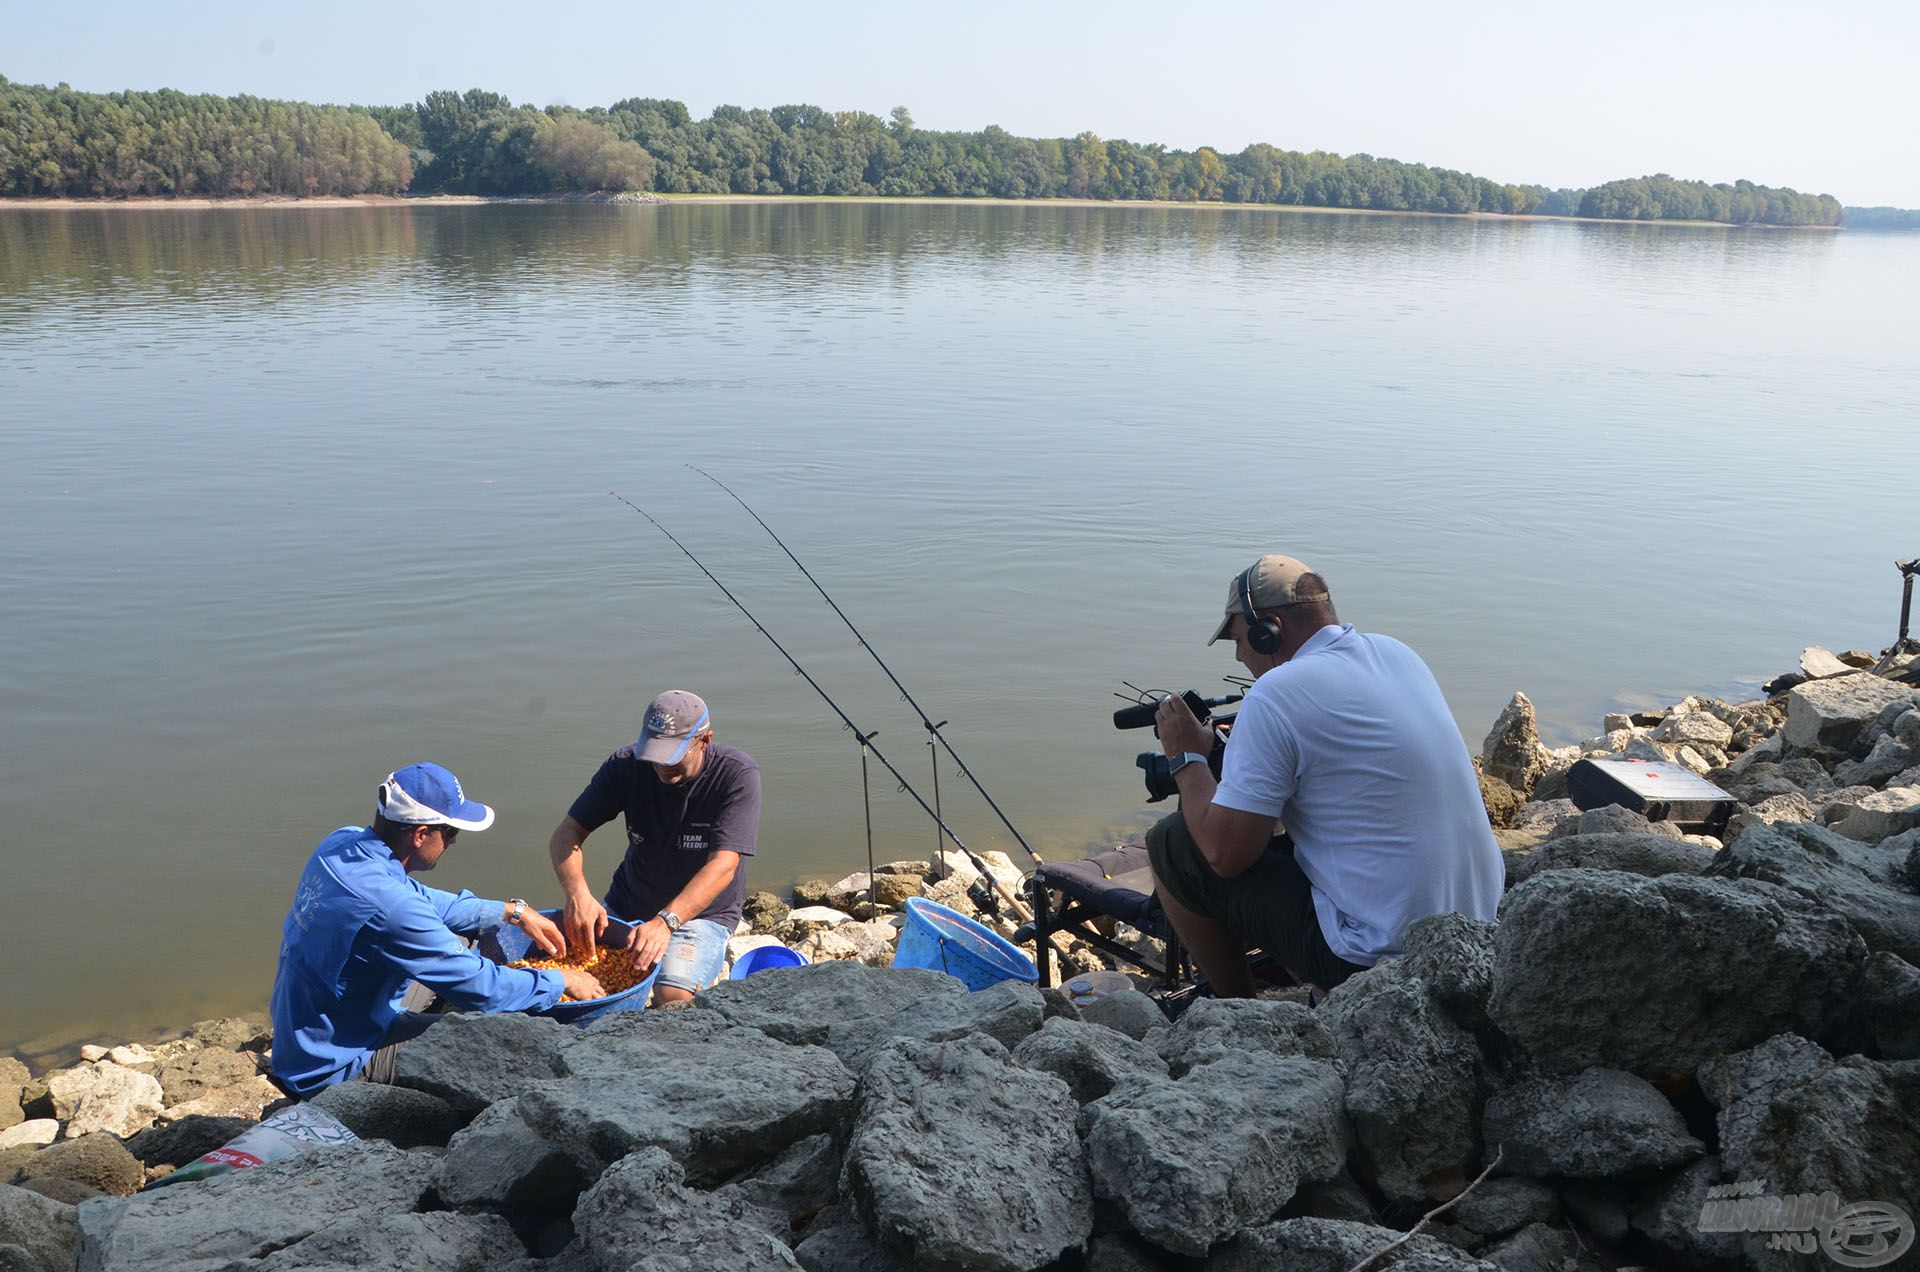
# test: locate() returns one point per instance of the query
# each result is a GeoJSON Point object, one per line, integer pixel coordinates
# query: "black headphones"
{"type": "Point", "coordinates": [1263, 634]}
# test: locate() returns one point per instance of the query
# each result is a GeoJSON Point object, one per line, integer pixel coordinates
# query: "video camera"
{"type": "Point", "coordinates": [1155, 767]}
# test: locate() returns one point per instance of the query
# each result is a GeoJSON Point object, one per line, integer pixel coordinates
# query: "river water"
{"type": "Point", "coordinates": [289, 498]}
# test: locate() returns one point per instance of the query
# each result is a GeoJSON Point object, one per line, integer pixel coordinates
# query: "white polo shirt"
{"type": "Point", "coordinates": [1351, 746]}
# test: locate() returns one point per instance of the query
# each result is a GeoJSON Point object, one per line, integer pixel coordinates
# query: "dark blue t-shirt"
{"type": "Point", "coordinates": [671, 830]}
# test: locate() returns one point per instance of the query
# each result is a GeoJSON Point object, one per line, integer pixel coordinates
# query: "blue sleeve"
{"type": "Point", "coordinates": [412, 939]}
{"type": "Point", "coordinates": [462, 911]}
{"type": "Point", "coordinates": [602, 801]}
{"type": "Point", "coordinates": [736, 823]}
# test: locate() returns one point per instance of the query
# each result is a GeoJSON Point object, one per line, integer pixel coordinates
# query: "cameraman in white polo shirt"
{"type": "Point", "coordinates": [1347, 806]}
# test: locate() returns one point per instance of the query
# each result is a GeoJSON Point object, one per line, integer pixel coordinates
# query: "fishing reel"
{"type": "Point", "coordinates": [1157, 769]}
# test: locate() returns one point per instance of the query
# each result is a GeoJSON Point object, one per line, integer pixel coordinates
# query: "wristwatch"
{"type": "Point", "coordinates": [516, 906]}
{"type": "Point", "coordinates": [673, 921]}
{"type": "Point", "coordinates": [1183, 759]}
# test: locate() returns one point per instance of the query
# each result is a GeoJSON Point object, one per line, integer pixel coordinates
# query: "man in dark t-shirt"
{"type": "Point", "coordinates": [693, 812]}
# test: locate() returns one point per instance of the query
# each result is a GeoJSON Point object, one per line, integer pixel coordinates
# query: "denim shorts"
{"type": "Point", "coordinates": [694, 956]}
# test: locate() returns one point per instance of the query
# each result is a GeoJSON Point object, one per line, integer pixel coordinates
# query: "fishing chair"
{"type": "Point", "coordinates": [1080, 898]}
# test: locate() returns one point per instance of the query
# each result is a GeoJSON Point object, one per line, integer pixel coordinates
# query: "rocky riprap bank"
{"type": "Point", "coordinates": [1654, 1017]}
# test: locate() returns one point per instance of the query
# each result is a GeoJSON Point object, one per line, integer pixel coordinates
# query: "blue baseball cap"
{"type": "Point", "coordinates": [674, 720]}
{"type": "Point", "coordinates": [428, 795]}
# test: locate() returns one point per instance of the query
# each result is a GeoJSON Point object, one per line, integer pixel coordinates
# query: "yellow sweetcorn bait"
{"type": "Point", "coordinates": [615, 969]}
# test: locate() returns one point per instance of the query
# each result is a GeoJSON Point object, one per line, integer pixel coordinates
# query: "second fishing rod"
{"type": "Point", "coordinates": [926, 721]}
{"type": "Point", "coordinates": [865, 739]}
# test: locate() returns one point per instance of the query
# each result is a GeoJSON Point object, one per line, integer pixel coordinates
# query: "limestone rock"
{"type": "Point", "coordinates": [1412, 1081]}
{"type": "Point", "coordinates": [848, 892]}
{"type": "Point", "coordinates": [1007, 1012]}
{"type": "Point", "coordinates": [234, 1033]}
{"type": "Point", "coordinates": [189, 1139]}
{"type": "Point", "coordinates": [1501, 800]}
{"type": "Point", "coordinates": [641, 1215]}
{"type": "Point", "coordinates": [1506, 1203]}
{"type": "Point", "coordinates": [1835, 874]}
{"type": "Point", "coordinates": [1816, 662]}
{"type": "Point", "coordinates": [1892, 1000]}
{"type": "Point", "coordinates": [1651, 855]}
{"type": "Point", "coordinates": [812, 914]}
{"type": "Point", "coordinates": [1847, 1128]}
{"type": "Point", "coordinates": [1216, 1028]}
{"type": "Point", "coordinates": [1789, 807]}
{"type": "Point", "coordinates": [499, 1160]}
{"type": "Point", "coordinates": [1698, 730]}
{"type": "Point", "coordinates": [97, 1160]}
{"type": "Point", "coordinates": [1134, 1014]}
{"type": "Point", "coordinates": [437, 1242]}
{"type": "Point", "coordinates": [1876, 815]}
{"type": "Point", "coordinates": [933, 1116]}
{"type": "Point", "coordinates": [473, 1060]}
{"type": "Point", "coordinates": [249, 1214]}
{"type": "Point", "coordinates": [1089, 1059]}
{"type": "Point", "coordinates": [204, 1072]}
{"type": "Point", "coordinates": [890, 891]}
{"type": "Point", "coordinates": [404, 1118]}
{"type": "Point", "coordinates": [801, 1006]}
{"type": "Point", "coordinates": [36, 1133]}
{"type": "Point", "coordinates": [763, 910]}
{"type": "Point", "coordinates": [1599, 968]}
{"type": "Point", "coordinates": [104, 1097]}
{"type": "Point", "coordinates": [1669, 1216]}
{"type": "Point", "coordinates": [1512, 750]}
{"type": "Point", "coordinates": [1596, 1125]}
{"type": "Point", "coordinates": [1336, 1245]}
{"type": "Point", "coordinates": [715, 1097]}
{"type": "Point", "coordinates": [1192, 1163]}
{"type": "Point", "coordinates": [44, 1228]}
{"type": "Point", "coordinates": [810, 892]}
{"type": "Point", "coordinates": [1544, 815]}
{"type": "Point", "coordinates": [1831, 713]}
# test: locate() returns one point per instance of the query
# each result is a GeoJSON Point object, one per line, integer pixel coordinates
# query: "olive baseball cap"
{"type": "Point", "coordinates": [1269, 583]}
{"type": "Point", "coordinates": [674, 720]}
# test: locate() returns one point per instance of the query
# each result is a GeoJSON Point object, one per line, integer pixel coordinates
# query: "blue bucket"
{"type": "Point", "coordinates": [948, 941]}
{"type": "Point", "coordinates": [763, 957]}
{"type": "Point", "coordinates": [508, 944]}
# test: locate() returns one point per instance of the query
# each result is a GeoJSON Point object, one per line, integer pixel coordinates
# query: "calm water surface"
{"type": "Point", "coordinates": [289, 498]}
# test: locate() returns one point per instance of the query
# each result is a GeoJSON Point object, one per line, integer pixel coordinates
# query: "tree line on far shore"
{"type": "Point", "coordinates": [62, 142]}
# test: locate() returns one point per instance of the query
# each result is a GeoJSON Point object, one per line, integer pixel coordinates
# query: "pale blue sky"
{"type": "Point", "coordinates": [1821, 98]}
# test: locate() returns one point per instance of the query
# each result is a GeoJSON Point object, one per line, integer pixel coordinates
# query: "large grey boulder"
{"type": "Point", "coordinates": [1215, 1028]}
{"type": "Point", "coordinates": [1503, 1204]}
{"type": "Point", "coordinates": [1596, 1125]}
{"type": "Point", "coordinates": [1642, 854]}
{"type": "Point", "coordinates": [439, 1242]}
{"type": "Point", "coordinates": [1612, 819]}
{"type": "Point", "coordinates": [249, 1214]}
{"type": "Point", "coordinates": [1891, 996]}
{"type": "Point", "coordinates": [1129, 1012]}
{"type": "Point", "coordinates": [1452, 955]}
{"type": "Point", "coordinates": [1861, 882]}
{"type": "Point", "coordinates": [1413, 1089]}
{"type": "Point", "coordinates": [1599, 968]}
{"type": "Point", "coordinates": [803, 1004]}
{"type": "Point", "coordinates": [1090, 1059]}
{"type": "Point", "coordinates": [1191, 1163]}
{"type": "Point", "coordinates": [1007, 1012]}
{"type": "Point", "coordinates": [471, 1061]}
{"type": "Point", "coordinates": [1512, 750]}
{"type": "Point", "coordinates": [1669, 1216]}
{"type": "Point", "coordinates": [501, 1161]}
{"type": "Point", "coordinates": [42, 1227]}
{"type": "Point", "coordinates": [961, 1159]}
{"type": "Point", "coordinates": [1336, 1245]}
{"type": "Point", "coordinates": [1831, 713]}
{"type": "Point", "coordinates": [640, 1217]}
{"type": "Point", "coordinates": [717, 1098]}
{"type": "Point", "coordinates": [403, 1117]}
{"type": "Point", "coordinates": [1807, 1124]}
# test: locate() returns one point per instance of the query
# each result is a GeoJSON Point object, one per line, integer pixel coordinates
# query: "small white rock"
{"type": "Point", "coordinates": [131, 1053]}
{"type": "Point", "coordinates": [820, 914]}
{"type": "Point", "coordinates": [94, 1051]}
{"type": "Point", "coordinates": [39, 1132]}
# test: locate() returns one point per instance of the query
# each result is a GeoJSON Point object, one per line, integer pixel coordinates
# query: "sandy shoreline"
{"type": "Point", "coordinates": [161, 203]}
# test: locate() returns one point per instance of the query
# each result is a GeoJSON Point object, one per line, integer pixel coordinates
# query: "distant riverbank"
{"type": "Point", "coordinates": [637, 199]}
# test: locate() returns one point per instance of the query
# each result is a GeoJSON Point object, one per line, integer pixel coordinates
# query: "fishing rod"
{"type": "Point", "coordinates": [866, 739]}
{"type": "Point", "coordinates": [926, 721]}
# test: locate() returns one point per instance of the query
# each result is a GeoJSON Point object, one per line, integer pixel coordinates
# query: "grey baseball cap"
{"type": "Point", "coordinates": [1269, 583]}
{"type": "Point", "coordinates": [674, 720]}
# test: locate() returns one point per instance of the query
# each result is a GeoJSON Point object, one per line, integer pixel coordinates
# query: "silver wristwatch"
{"type": "Point", "coordinates": [673, 921]}
{"type": "Point", "coordinates": [516, 906]}
{"type": "Point", "coordinates": [1183, 759]}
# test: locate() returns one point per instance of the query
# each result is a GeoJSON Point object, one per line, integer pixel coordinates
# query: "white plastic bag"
{"type": "Point", "coordinates": [288, 1133]}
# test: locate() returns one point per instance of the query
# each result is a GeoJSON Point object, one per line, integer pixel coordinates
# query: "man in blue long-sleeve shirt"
{"type": "Point", "coordinates": [360, 930]}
